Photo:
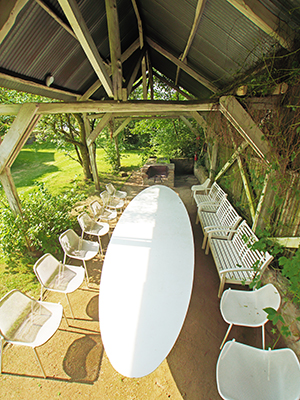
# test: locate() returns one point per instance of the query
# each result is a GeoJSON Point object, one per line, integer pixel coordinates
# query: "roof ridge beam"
{"type": "Point", "coordinates": [205, 82]}
{"type": "Point", "coordinates": [74, 16]}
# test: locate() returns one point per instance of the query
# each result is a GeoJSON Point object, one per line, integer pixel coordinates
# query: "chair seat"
{"type": "Point", "coordinates": [96, 228]}
{"type": "Point", "coordinates": [246, 308]}
{"type": "Point", "coordinates": [65, 279]}
{"type": "Point", "coordinates": [248, 373]}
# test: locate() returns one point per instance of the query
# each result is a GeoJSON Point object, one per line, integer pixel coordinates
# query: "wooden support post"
{"type": "Point", "coordinates": [260, 203]}
{"type": "Point", "coordinates": [144, 78]}
{"type": "Point", "coordinates": [10, 191]}
{"type": "Point", "coordinates": [18, 134]}
{"type": "Point", "coordinates": [92, 152]}
{"type": "Point", "coordinates": [115, 47]}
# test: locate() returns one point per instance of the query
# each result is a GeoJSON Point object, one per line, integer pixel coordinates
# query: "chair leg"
{"type": "Point", "coordinates": [226, 335]}
{"type": "Point", "coordinates": [204, 240]}
{"type": "Point", "coordinates": [86, 274]}
{"type": "Point", "coordinates": [66, 319]}
{"type": "Point", "coordinates": [221, 287]}
{"type": "Point", "coordinates": [68, 300]}
{"type": "Point", "coordinates": [100, 245]}
{"type": "Point", "coordinates": [1, 355]}
{"type": "Point", "coordinates": [263, 336]}
{"type": "Point", "coordinates": [39, 361]}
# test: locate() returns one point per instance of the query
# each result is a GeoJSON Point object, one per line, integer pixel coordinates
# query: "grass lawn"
{"type": "Point", "coordinates": [58, 172]}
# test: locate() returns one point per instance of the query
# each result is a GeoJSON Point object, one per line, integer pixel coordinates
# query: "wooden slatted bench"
{"type": "Point", "coordinates": [235, 261]}
{"type": "Point", "coordinates": [225, 217]}
{"type": "Point", "coordinates": [214, 196]}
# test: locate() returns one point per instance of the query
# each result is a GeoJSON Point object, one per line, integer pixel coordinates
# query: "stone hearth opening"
{"type": "Point", "coordinates": [154, 172]}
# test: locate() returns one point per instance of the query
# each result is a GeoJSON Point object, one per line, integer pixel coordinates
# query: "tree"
{"type": "Point", "coordinates": [68, 133]}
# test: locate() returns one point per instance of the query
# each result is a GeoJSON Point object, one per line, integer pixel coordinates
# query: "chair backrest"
{"type": "Point", "coordinates": [96, 208]}
{"type": "Point", "coordinates": [69, 241]}
{"type": "Point", "coordinates": [223, 209]}
{"type": "Point", "coordinates": [111, 189]}
{"type": "Point", "coordinates": [46, 268]}
{"type": "Point", "coordinates": [105, 197]}
{"type": "Point", "coordinates": [21, 317]}
{"type": "Point", "coordinates": [243, 238]}
{"type": "Point", "coordinates": [216, 193]}
{"type": "Point", "coordinates": [85, 221]}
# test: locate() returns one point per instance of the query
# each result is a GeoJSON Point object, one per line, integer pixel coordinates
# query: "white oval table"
{"type": "Point", "coordinates": [146, 281]}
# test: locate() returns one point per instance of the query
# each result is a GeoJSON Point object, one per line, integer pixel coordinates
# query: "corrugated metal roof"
{"type": "Point", "coordinates": [226, 42]}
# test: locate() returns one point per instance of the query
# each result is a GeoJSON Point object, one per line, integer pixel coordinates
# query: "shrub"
{"type": "Point", "coordinates": [45, 216]}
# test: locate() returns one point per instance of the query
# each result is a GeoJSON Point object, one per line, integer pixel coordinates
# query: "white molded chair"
{"type": "Point", "coordinates": [204, 187]}
{"type": "Point", "coordinates": [101, 213]}
{"type": "Point", "coordinates": [27, 322]}
{"type": "Point", "coordinates": [111, 202]}
{"type": "Point", "coordinates": [118, 194]}
{"type": "Point", "coordinates": [245, 308]}
{"type": "Point", "coordinates": [90, 227]}
{"type": "Point", "coordinates": [57, 277]}
{"type": "Point", "coordinates": [248, 373]}
{"type": "Point", "coordinates": [78, 248]}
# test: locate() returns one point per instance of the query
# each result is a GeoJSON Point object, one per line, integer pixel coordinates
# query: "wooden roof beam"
{"type": "Point", "coordinates": [197, 18]}
{"type": "Point", "coordinates": [205, 82]}
{"type": "Point", "coordinates": [265, 20]}
{"type": "Point", "coordinates": [73, 14]}
{"type": "Point", "coordinates": [245, 125]}
{"type": "Point", "coordinates": [52, 14]}
{"type": "Point", "coordinates": [9, 12]}
{"type": "Point", "coordinates": [140, 25]}
{"type": "Point", "coordinates": [127, 53]}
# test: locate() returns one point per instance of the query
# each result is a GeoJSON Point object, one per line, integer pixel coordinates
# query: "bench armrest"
{"type": "Point", "coordinates": [211, 233]}
{"type": "Point", "coordinates": [214, 228]}
{"type": "Point", "coordinates": [238, 269]}
{"type": "Point", "coordinates": [208, 206]}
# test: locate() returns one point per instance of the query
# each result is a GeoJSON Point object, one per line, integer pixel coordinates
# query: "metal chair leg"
{"type": "Point", "coordinates": [39, 361]}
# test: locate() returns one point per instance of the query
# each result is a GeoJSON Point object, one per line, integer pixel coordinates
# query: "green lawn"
{"type": "Point", "coordinates": [58, 172]}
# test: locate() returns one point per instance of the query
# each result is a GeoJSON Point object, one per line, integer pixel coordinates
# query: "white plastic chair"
{"type": "Point", "coordinates": [27, 322]}
{"type": "Point", "coordinates": [248, 373]}
{"type": "Point", "coordinates": [245, 308]}
{"type": "Point", "coordinates": [111, 202]}
{"type": "Point", "coordinates": [90, 227]}
{"type": "Point", "coordinates": [57, 277]}
{"type": "Point", "coordinates": [118, 194]}
{"type": "Point", "coordinates": [78, 248]}
{"type": "Point", "coordinates": [101, 213]}
{"type": "Point", "coordinates": [204, 187]}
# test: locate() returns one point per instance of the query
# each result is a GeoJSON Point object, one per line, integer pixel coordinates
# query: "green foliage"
{"type": "Point", "coordinates": [291, 270]}
{"type": "Point", "coordinates": [44, 217]}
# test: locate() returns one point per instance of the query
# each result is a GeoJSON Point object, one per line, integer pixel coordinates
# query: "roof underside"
{"type": "Point", "coordinates": [227, 42]}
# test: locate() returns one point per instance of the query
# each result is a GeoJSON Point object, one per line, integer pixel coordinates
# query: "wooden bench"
{"type": "Point", "coordinates": [235, 261]}
{"type": "Point", "coordinates": [214, 195]}
{"type": "Point", "coordinates": [225, 217]}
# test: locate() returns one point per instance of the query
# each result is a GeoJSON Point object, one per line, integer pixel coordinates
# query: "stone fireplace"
{"type": "Point", "coordinates": [155, 172]}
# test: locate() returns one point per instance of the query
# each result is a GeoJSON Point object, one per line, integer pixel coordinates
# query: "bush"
{"type": "Point", "coordinates": [44, 217]}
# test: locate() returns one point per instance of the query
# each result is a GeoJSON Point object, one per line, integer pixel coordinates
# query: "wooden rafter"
{"type": "Point", "coordinates": [73, 14]}
{"type": "Point", "coordinates": [264, 20]}
{"type": "Point", "coordinates": [96, 85]}
{"type": "Point", "coordinates": [135, 71]}
{"type": "Point", "coordinates": [205, 82]}
{"type": "Point", "coordinates": [140, 25]}
{"type": "Point", "coordinates": [197, 18]}
{"type": "Point", "coordinates": [9, 12]}
{"type": "Point", "coordinates": [56, 17]}
{"type": "Point", "coordinates": [171, 85]}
